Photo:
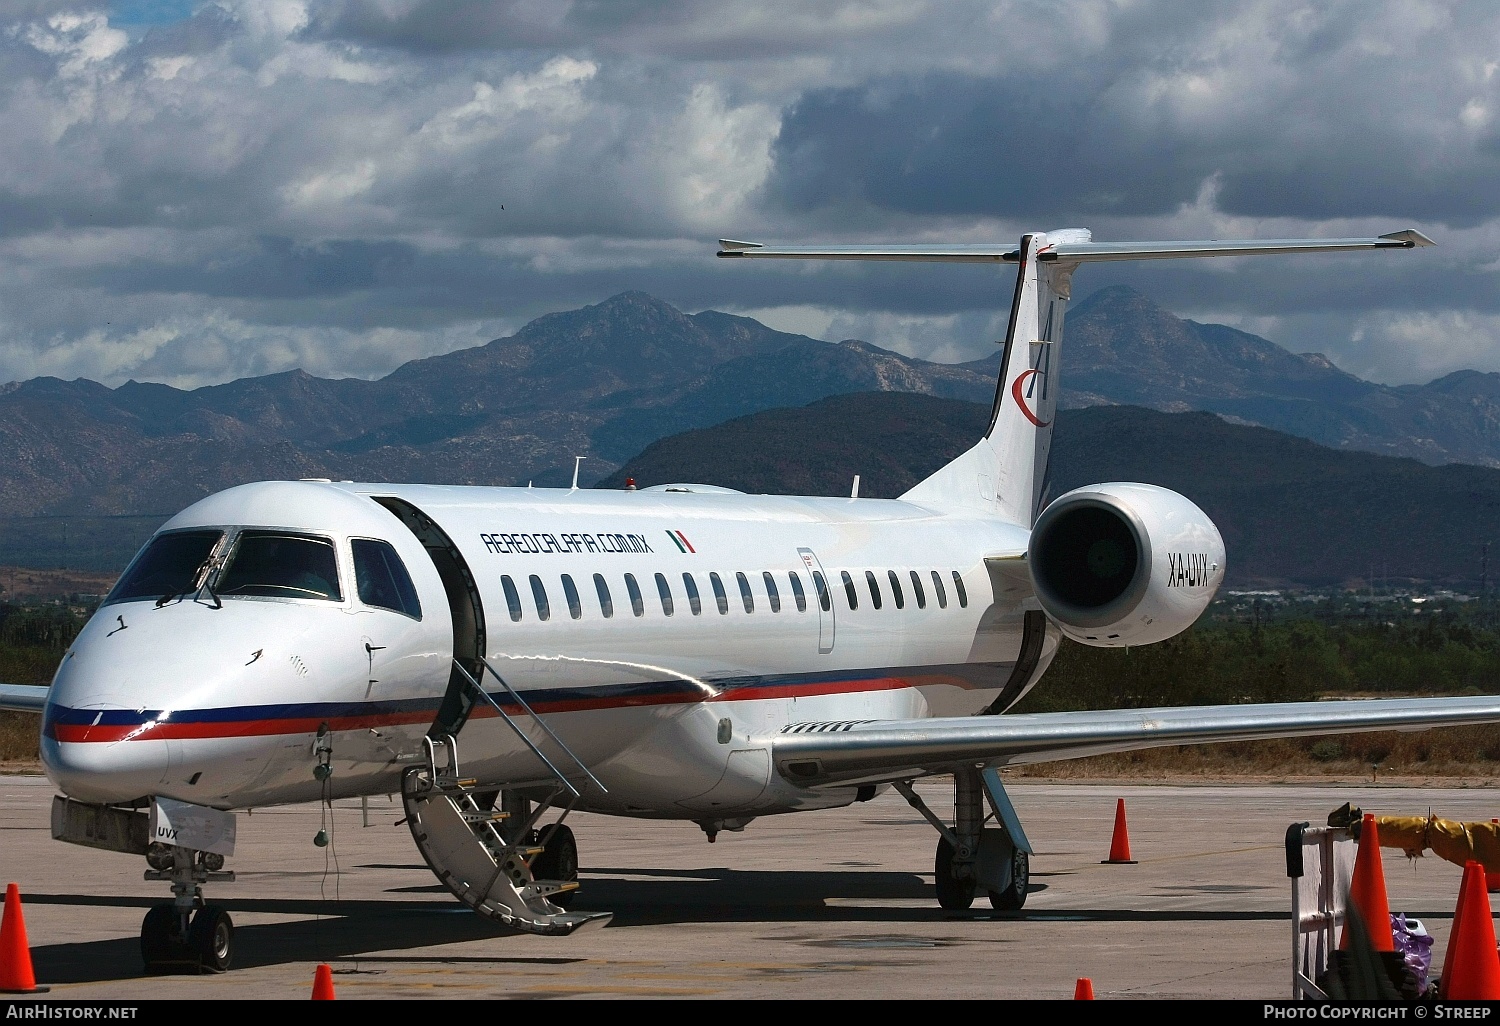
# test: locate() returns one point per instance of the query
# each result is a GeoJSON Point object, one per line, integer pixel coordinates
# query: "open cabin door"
{"type": "Point", "coordinates": [464, 605]}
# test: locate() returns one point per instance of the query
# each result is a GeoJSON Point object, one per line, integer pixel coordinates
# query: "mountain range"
{"type": "Point", "coordinates": [604, 381]}
{"type": "Point", "coordinates": [608, 380]}
{"type": "Point", "coordinates": [1122, 348]}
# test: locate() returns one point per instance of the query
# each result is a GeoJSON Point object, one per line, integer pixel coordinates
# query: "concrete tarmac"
{"type": "Point", "coordinates": [834, 904]}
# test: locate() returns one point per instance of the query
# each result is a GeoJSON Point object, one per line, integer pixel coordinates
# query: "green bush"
{"type": "Point", "coordinates": [1283, 661]}
{"type": "Point", "coordinates": [1326, 751]}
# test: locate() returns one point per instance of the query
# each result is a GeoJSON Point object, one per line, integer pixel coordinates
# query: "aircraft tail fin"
{"type": "Point", "coordinates": [1005, 473]}
{"type": "Point", "coordinates": [1006, 470]}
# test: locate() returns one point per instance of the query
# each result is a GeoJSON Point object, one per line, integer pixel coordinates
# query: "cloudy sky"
{"type": "Point", "coordinates": [196, 190]}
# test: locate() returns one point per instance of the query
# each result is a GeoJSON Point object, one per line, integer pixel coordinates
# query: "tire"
{"type": "Point", "coordinates": [211, 939]}
{"type": "Point", "coordinates": [558, 862]}
{"type": "Point", "coordinates": [953, 895]}
{"type": "Point", "coordinates": [1014, 896]}
{"type": "Point", "coordinates": [161, 947]}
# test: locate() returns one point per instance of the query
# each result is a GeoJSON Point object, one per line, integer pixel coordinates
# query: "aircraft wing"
{"type": "Point", "coordinates": [1079, 251]}
{"type": "Point", "coordinates": [22, 697]}
{"type": "Point", "coordinates": [879, 751]}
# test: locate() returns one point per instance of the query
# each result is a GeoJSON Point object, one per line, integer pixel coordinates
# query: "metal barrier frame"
{"type": "Point", "coordinates": [1320, 892]}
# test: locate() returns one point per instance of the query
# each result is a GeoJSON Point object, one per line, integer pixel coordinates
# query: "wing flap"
{"type": "Point", "coordinates": [23, 697]}
{"type": "Point", "coordinates": [886, 750]}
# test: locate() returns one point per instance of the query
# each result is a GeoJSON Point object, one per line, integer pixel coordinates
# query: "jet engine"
{"type": "Point", "coordinates": [1124, 564]}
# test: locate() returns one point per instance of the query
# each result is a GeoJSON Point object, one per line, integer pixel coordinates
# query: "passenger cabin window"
{"type": "Point", "coordinates": [637, 604]}
{"type": "Point", "coordinates": [691, 586]}
{"type": "Point", "coordinates": [916, 588]}
{"type": "Point", "coordinates": [575, 607]}
{"type": "Point", "coordinates": [606, 604]}
{"type": "Point", "coordinates": [797, 592]}
{"type": "Point", "coordinates": [849, 591]}
{"type": "Point", "coordinates": [958, 586]}
{"type": "Point", "coordinates": [825, 600]}
{"type": "Point", "coordinates": [896, 594]}
{"type": "Point", "coordinates": [937, 586]}
{"type": "Point", "coordinates": [874, 587]}
{"type": "Point", "coordinates": [771, 593]}
{"type": "Point", "coordinates": [512, 597]}
{"type": "Point", "coordinates": [381, 579]}
{"type": "Point", "coordinates": [271, 564]}
{"type": "Point", "coordinates": [539, 593]}
{"type": "Point", "coordinates": [665, 591]}
{"type": "Point", "coordinates": [172, 564]}
{"type": "Point", "coordinates": [745, 595]}
{"type": "Point", "coordinates": [719, 596]}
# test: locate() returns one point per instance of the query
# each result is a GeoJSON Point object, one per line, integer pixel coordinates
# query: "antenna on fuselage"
{"type": "Point", "coordinates": [854, 492]}
{"type": "Point", "coordinates": [577, 462]}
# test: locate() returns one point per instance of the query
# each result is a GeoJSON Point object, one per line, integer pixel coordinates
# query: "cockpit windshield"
{"type": "Point", "coordinates": [274, 564]}
{"type": "Point", "coordinates": [172, 564]}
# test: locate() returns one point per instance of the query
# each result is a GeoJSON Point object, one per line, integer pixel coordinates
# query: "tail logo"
{"type": "Point", "coordinates": [1015, 390]}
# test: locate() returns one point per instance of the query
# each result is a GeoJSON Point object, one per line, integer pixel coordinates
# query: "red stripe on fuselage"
{"type": "Point", "coordinates": [85, 733]}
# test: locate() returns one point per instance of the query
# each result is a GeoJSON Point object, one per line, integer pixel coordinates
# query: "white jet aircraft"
{"type": "Point", "coordinates": [679, 652]}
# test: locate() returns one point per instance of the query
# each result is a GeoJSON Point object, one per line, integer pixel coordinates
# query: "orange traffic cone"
{"type": "Point", "coordinates": [1472, 973]}
{"type": "Point", "coordinates": [1083, 990]}
{"type": "Point", "coordinates": [1367, 890]}
{"type": "Point", "coordinates": [1119, 845]}
{"type": "Point", "coordinates": [16, 976]}
{"type": "Point", "coordinates": [323, 984]}
{"type": "Point", "coordinates": [1458, 916]}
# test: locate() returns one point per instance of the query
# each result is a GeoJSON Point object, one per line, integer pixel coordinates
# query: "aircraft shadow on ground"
{"type": "Point", "coordinates": [346, 930]}
{"type": "Point", "coordinates": [358, 929]}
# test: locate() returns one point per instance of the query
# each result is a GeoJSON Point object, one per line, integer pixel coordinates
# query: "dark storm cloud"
{"type": "Point", "coordinates": [1062, 144]}
{"type": "Point", "coordinates": [239, 186]}
{"type": "Point", "coordinates": [699, 29]}
{"type": "Point", "coordinates": [443, 26]}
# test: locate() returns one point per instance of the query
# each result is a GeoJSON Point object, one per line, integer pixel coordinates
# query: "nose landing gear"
{"type": "Point", "coordinates": [187, 935]}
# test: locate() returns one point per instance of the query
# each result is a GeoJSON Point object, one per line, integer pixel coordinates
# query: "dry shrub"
{"type": "Point", "coordinates": [28, 664]}
{"type": "Point", "coordinates": [18, 737]}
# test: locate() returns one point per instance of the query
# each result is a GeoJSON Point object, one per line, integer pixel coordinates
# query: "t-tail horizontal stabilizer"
{"type": "Point", "coordinates": [1066, 244]}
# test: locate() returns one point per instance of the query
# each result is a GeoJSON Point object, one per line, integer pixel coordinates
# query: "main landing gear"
{"type": "Point", "coordinates": [187, 935]}
{"type": "Point", "coordinates": [971, 857]}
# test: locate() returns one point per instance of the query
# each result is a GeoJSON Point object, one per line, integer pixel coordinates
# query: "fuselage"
{"type": "Point", "coordinates": [665, 636]}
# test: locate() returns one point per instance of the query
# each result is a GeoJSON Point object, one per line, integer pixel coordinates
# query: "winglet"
{"type": "Point", "coordinates": [1412, 238]}
{"type": "Point", "coordinates": [728, 247]}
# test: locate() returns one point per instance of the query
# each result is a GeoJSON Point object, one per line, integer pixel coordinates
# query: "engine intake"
{"type": "Point", "coordinates": [1124, 564]}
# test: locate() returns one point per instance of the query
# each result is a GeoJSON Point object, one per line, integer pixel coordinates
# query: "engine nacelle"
{"type": "Point", "coordinates": [1124, 564]}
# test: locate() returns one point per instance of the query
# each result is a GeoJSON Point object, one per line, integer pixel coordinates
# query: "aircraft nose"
{"type": "Point", "coordinates": [105, 771]}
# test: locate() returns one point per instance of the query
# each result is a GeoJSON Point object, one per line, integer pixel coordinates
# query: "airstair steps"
{"type": "Point", "coordinates": [466, 852]}
{"type": "Point", "coordinates": [486, 868]}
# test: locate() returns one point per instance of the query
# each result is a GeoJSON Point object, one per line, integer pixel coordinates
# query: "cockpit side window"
{"type": "Point", "coordinates": [381, 578]}
{"type": "Point", "coordinates": [172, 564]}
{"type": "Point", "coordinates": [275, 564]}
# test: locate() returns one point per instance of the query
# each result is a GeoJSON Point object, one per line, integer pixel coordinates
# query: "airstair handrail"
{"type": "Point", "coordinates": [517, 728]}
{"type": "Point", "coordinates": [539, 722]}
